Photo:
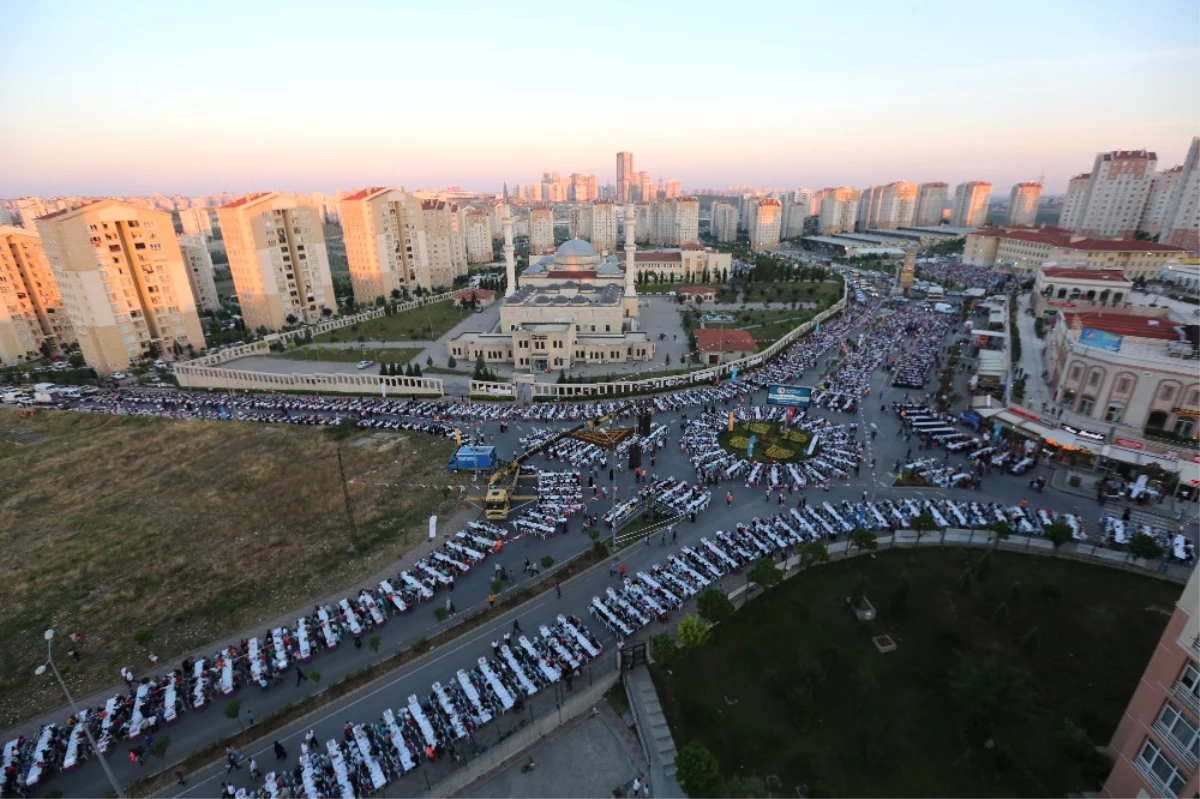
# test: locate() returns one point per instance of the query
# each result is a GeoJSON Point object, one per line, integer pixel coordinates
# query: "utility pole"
{"type": "Point", "coordinates": [346, 493]}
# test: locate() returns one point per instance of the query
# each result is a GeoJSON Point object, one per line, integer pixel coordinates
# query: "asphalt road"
{"type": "Point", "coordinates": [197, 729]}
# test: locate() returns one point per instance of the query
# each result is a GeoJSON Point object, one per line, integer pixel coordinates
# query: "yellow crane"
{"type": "Point", "coordinates": [502, 485]}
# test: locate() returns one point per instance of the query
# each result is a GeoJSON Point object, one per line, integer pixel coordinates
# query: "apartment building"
{"type": "Point", "coordinates": [384, 234]}
{"type": "Point", "coordinates": [797, 206]}
{"type": "Point", "coordinates": [604, 226]}
{"type": "Point", "coordinates": [198, 260]}
{"type": "Point", "coordinates": [839, 209]}
{"type": "Point", "coordinates": [123, 281]}
{"type": "Point", "coordinates": [277, 257]}
{"type": "Point", "coordinates": [1025, 250]}
{"type": "Point", "coordinates": [897, 206]}
{"type": "Point", "coordinates": [541, 230]}
{"type": "Point", "coordinates": [1161, 190]}
{"type": "Point", "coordinates": [196, 220]}
{"type": "Point", "coordinates": [673, 190]}
{"type": "Point", "coordinates": [479, 236]}
{"type": "Point", "coordinates": [31, 307]}
{"type": "Point", "coordinates": [766, 216]}
{"type": "Point", "coordinates": [624, 176]}
{"type": "Point", "coordinates": [971, 204]}
{"type": "Point", "coordinates": [1073, 200]}
{"type": "Point", "coordinates": [869, 201]}
{"type": "Point", "coordinates": [673, 222]}
{"type": "Point", "coordinates": [724, 221]}
{"type": "Point", "coordinates": [1155, 749]}
{"type": "Point", "coordinates": [445, 252]}
{"type": "Point", "coordinates": [1116, 194]}
{"type": "Point", "coordinates": [931, 203]}
{"type": "Point", "coordinates": [1023, 203]}
{"type": "Point", "coordinates": [1181, 218]}
{"type": "Point", "coordinates": [579, 222]}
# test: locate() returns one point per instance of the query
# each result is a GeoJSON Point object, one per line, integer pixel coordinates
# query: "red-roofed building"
{"type": "Point", "coordinates": [1059, 289]}
{"type": "Point", "coordinates": [720, 345]}
{"type": "Point", "coordinates": [698, 294]}
{"type": "Point", "coordinates": [482, 297]}
{"type": "Point", "coordinates": [1025, 250]}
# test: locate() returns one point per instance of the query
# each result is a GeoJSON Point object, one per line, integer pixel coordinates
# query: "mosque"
{"type": "Point", "coordinates": [574, 307]}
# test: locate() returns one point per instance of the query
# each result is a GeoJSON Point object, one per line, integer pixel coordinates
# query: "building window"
{"type": "Point", "coordinates": [1122, 385]}
{"type": "Point", "coordinates": [1194, 399]}
{"type": "Point", "coordinates": [1167, 392]}
{"type": "Point", "coordinates": [1177, 732]}
{"type": "Point", "coordinates": [1076, 371]}
{"type": "Point", "coordinates": [1184, 427]}
{"type": "Point", "coordinates": [1115, 411]}
{"type": "Point", "coordinates": [1154, 765]}
{"type": "Point", "coordinates": [1086, 405]}
{"type": "Point", "coordinates": [1094, 379]}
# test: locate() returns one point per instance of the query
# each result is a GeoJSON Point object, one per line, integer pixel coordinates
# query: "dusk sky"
{"type": "Point", "coordinates": [129, 98]}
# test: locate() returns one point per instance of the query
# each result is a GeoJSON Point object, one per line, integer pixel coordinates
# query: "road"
{"type": "Point", "coordinates": [197, 729]}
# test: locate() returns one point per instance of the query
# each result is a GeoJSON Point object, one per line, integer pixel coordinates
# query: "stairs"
{"type": "Point", "coordinates": [652, 725]}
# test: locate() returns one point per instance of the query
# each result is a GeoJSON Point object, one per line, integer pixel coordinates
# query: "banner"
{"type": "Point", "coordinates": [731, 421]}
{"type": "Point", "coordinates": [383, 389]}
{"type": "Point", "coordinates": [750, 449]}
{"type": "Point", "coordinates": [1100, 339]}
{"type": "Point", "coordinates": [432, 528]}
{"type": "Point", "coordinates": [996, 435]}
{"type": "Point", "coordinates": [797, 396]}
{"type": "Point", "coordinates": [733, 376]}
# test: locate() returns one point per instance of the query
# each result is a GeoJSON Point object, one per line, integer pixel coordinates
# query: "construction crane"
{"type": "Point", "coordinates": [502, 485]}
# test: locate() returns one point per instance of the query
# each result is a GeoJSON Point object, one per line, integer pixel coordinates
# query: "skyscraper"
{"type": "Point", "coordinates": [123, 281]}
{"type": "Point", "coordinates": [198, 260]}
{"type": "Point", "coordinates": [1161, 191]}
{"type": "Point", "coordinates": [766, 215]}
{"type": "Point", "coordinates": [971, 204]}
{"type": "Point", "coordinates": [1181, 220]}
{"type": "Point", "coordinates": [31, 307]}
{"type": "Point", "coordinates": [672, 189]}
{"type": "Point", "coordinates": [604, 226]}
{"type": "Point", "coordinates": [1073, 200]}
{"type": "Point", "coordinates": [931, 203]}
{"type": "Point", "coordinates": [839, 209]}
{"type": "Point", "coordinates": [478, 231]}
{"type": "Point", "coordinates": [276, 249]}
{"type": "Point", "coordinates": [384, 234]}
{"type": "Point", "coordinates": [1023, 203]}
{"type": "Point", "coordinates": [897, 205]}
{"type": "Point", "coordinates": [724, 221]}
{"type": "Point", "coordinates": [1116, 194]}
{"type": "Point", "coordinates": [624, 176]}
{"type": "Point", "coordinates": [541, 230]}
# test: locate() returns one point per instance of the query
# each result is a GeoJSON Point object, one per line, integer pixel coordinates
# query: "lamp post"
{"type": "Point", "coordinates": [40, 670]}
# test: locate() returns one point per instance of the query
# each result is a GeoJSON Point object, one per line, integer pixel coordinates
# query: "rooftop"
{"type": "Point", "coordinates": [697, 290]}
{"type": "Point", "coordinates": [1072, 243]}
{"type": "Point", "coordinates": [247, 200]}
{"type": "Point", "coordinates": [481, 294]}
{"type": "Point", "coordinates": [1114, 275]}
{"type": "Point", "coordinates": [720, 340]}
{"type": "Point", "coordinates": [1124, 324]}
{"type": "Point", "coordinates": [364, 193]}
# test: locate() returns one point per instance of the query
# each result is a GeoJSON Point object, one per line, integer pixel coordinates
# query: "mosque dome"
{"type": "Point", "coordinates": [574, 254]}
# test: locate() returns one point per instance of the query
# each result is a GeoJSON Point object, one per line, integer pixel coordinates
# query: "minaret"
{"type": "Point", "coordinates": [630, 298]}
{"type": "Point", "coordinates": [510, 265]}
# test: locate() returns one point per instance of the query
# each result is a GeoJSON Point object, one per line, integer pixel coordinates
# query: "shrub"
{"type": "Point", "coordinates": [421, 644]}
{"type": "Point", "coordinates": [1000, 616]}
{"type": "Point", "coordinates": [144, 636]}
{"type": "Point", "coordinates": [159, 747]}
{"type": "Point", "coordinates": [764, 573]}
{"type": "Point", "coordinates": [374, 641]}
{"type": "Point", "coordinates": [692, 631]}
{"type": "Point", "coordinates": [1052, 592]}
{"type": "Point", "coordinates": [546, 561]}
{"type": "Point", "coordinates": [1013, 599]}
{"type": "Point", "coordinates": [1030, 642]}
{"type": "Point", "coordinates": [964, 583]}
{"type": "Point", "coordinates": [315, 676]}
{"type": "Point", "coordinates": [899, 600]}
{"type": "Point", "coordinates": [984, 569]}
{"type": "Point", "coordinates": [233, 710]}
{"type": "Point", "coordinates": [662, 647]}
{"type": "Point", "coordinates": [440, 613]}
{"type": "Point", "coordinates": [496, 586]}
{"type": "Point", "coordinates": [1073, 740]}
{"type": "Point", "coordinates": [697, 771]}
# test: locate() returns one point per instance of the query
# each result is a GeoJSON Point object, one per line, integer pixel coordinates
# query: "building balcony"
{"type": "Point", "coordinates": [1188, 759]}
{"type": "Point", "coordinates": [1187, 696]}
{"type": "Point", "coordinates": [1157, 787]}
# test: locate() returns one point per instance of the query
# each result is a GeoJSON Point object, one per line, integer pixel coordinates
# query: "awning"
{"type": "Point", "coordinates": [1139, 458]}
{"type": "Point", "coordinates": [1041, 431]}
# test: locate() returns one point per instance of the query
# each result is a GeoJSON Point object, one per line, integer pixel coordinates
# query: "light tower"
{"type": "Point", "coordinates": [510, 266]}
{"type": "Point", "coordinates": [630, 299]}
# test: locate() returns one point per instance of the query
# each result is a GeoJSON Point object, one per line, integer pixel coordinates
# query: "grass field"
{"type": "Point", "coordinates": [193, 530]}
{"type": "Point", "coordinates": [377, 354]}
{"type": "Point", "coordinates": [824, 294]}
{"type": "Point", "coordinates": [791, 685]}
{"type": "Point", "coordinates": [420, 324]}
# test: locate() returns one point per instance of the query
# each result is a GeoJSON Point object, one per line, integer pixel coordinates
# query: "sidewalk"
{"type": "Point", "coordinates": [31, 727]}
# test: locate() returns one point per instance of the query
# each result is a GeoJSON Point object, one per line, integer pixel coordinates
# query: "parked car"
{"type": "Point", "coordinates": [364, 364]}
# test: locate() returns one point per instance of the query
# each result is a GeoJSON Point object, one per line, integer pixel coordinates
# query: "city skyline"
{"type": "Point", "coordinates": [166, 104]}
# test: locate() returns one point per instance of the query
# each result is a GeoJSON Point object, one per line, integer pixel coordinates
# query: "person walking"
{"type": "Point", "coordinates": [491, 600]}
{"type": "Point", "coordinates": [280, 751]}
{"type": "Point", "coordinates": [729, 498]}
{"type": "Point", "coordinates": [249, 717]}
{"type": "Point", "coordinates": [558, 590]}
{"type": "Point", "coordinates": [516, 627]}
{"type": "Point", "coordinates": [179, 780]}
{"type": "Point", "coordinates": [300, 675]}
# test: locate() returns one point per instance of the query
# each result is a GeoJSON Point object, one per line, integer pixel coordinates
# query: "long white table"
{"type": "Point", "coordinates": [136, 719]}
{"type": "Point", "coordinates": [481, 712]}
{"type": "Point", "coordinates": [74, 740]}
{"type": "Point", "coordinates": [407, 763]}
{"type": "Point", "coordinates": [338, 761]}
{"type": "Point", "coordinates": [418, 715]}
{"type": "Point", "coordinates": [39, 755]}
{"type": "Point", "coordinates": [498, 688]}
{"type": "Point", "coordinates": [526, 684]}
{"type": "Point", "coordinates": [395, 598]}
{"type": "Point", "coordinates": [580, 638]}
{"type": "Point", "coordinates": [456, 723]}
{"type": "Point", "coordinates": [378, 779]}
{"type": "Point", "coordinates": [549, 671]}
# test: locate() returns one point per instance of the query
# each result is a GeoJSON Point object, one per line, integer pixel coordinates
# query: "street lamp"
{"type": "Point", "coordinates": [39, 671]}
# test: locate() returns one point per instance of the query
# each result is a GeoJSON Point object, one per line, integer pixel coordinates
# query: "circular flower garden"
{"type": "Point", "coordinates": [773, 442]}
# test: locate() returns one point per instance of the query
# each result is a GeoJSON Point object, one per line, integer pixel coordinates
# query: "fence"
{"type": "Point", "coordinates": [703, 374]}
{"type": "Point", "coordinates": [191, 375]}
{"type": "Point", "coordinates": [490, 387]}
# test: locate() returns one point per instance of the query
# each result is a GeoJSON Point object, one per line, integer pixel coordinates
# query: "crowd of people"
{"type": "Point", "coordinates": [951, 271]}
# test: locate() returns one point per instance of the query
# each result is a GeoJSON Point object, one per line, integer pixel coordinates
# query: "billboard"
{"type": "Point", "coordinates": [800, 396]}
{"type": "Point", "coordinates": [1091, 337]}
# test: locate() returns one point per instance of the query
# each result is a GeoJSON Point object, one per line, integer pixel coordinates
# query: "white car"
{"type": "Point", "coordinates": [364, 364]}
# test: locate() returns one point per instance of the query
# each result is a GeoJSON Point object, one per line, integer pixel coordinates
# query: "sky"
{"type": "Point", "coordinates": [126, 97]}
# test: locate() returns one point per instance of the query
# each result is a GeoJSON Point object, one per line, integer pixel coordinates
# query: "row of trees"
{"type": "Point", "coordinates": [396, 370]}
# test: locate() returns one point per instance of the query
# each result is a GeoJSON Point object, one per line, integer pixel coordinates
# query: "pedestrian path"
{"type": "Point", "coordinates": [656, 735]}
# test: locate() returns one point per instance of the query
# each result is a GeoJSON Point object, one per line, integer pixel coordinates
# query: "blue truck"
{"type": "Point", "coordinates": [478, 459]}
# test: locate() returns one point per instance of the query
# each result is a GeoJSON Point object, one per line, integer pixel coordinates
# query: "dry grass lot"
{"type": "Point", "coordinates": [195, 530]}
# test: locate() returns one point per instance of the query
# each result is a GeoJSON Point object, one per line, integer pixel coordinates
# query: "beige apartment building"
{"type": "Point", "coordinates": [276, 249]}
{"type": "Point", "coordinates": [479, 236]}
{"type": "Point", "coordinates": [1181, 217]}
{"type": "Point", "coordinates": [766, 217]}
{"type": "Point", "coordinates": [197, 258]}
{"type": "Point", "coordinates": [1161, 189]}
{"type": "Point", "coordinates": [724, 221]}
{"type": "Point", "coordinates": [384, 233]}
{"type": "Point", "coordinates": [1155, 750]}
{"type": "Point", "coordinates": [196, 220]}
{"type": "Point", "coordinates": [673, 222]}
{"type": "Point", "coordinates": [931, 203]}
{"type": "Point", "coordinates": [579, 222]}
{"type": "Point", "coordinates": [1116, 194]}
{"type": "Point", "coordinates": [1025, 250]}
{"type": "Point", "coordinates": [971, 204]}
{"type": "Point", "coordinates": [541, 230]}
{"type": "Point", "coordinates": [839, 209]}
{"type": "Point", "coordinates": [897, 205]}
{"type": "Point", "coordinates": [123, 280]}
{"type": "Point", "coordinates": [445, 246]}
{"type": "Point", "coordinates": [1023, 203]}
{"type": "Point", "coordinates": [1072, 206]}
{"type": "Point", "coordinates": [31, 308]}
{"type": "Point", "coordinates": [603, 226]}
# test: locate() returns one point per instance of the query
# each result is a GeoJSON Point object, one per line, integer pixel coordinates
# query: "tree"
{"type": "Point", "coordinates": [159, 747]}
{"type": "Point", "coordinates": [291, 319]}
{"type": "Point", "coordinates": [1000, 616]}
{"type": "Point", "coordinates": [76, 360]}
{"type": "Point", "coordinates": [1030, 642]}
{"type": "Point", "coordinates": [692, 631]}
{"type": "Point", "coordinates": [713, 604]}
{"type": "Point", "coordinates": [812, 553]}
{"type": "Point", "coordinates": [233, 711]}
{"type": "Point", "coordinates": [697, 771]}
{"type": "Point", "coordinates": [668, 359]}
{"type": "Point", "coordinates": [429, 360]}
{"type": "Point", "coordinates": [924, 523]}
{"type": "Point", "coordinates": [1145, 547]}
{"type": "Point", "coordinates": [863, 539]}
{"type": "Point", "coordinates": [989, 692]}
{"type": "Point", "coordinates": [1013, 598]}
{"type": "Point", "coordinates": [764, 573]}
{"type": "Point", "coordinates": [374, 641]}
{"type": "Point", "coordinates": [662, 647]}
{"type": "Point", "coordinates": [1057, 533]}
{"type": "Point", "coordinates": [752, 787]}
{"type": "Point", "coordinates": [451, 362]}
{"type": "Point", "coordinates": [383, 370]}
{"type": "Point", "coordinates": [899, 599]}
{"type": "Point", "coordinates": [1002, 530]}
{"type": "Point", "coordinates": [480, 368]}
{"type": "Point", "coordinates": [984, 569]}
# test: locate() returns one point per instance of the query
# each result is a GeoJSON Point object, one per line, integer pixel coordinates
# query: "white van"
{"type": "Point", "coordinates": [43, 387]}
{"type": "Point", "coordinates": [11, 397]}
